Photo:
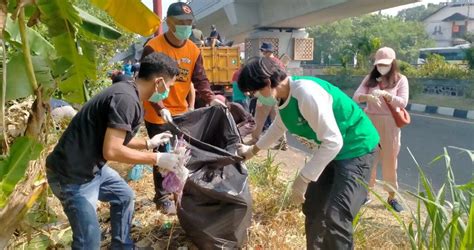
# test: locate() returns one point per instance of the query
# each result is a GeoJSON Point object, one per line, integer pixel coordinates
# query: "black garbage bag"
{"type": "Point", "coordinates": [215, 210]}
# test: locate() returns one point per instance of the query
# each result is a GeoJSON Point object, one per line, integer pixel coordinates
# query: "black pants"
{"type": "Point", "coordinates": [160, 193]}
{"type": "Point", "coordinates": [333, 201]}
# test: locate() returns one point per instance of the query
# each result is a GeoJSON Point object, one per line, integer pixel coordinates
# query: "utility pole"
{"type": "Point", "coordinates": [468, 14]}
{"type": "Point", "coordinates": [158, 9]}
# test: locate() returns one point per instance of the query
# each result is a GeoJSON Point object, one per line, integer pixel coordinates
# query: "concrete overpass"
{"type": "Point", "coordinates": [237, 18]}
{"type": "Point", "coordinates": [280, 22]}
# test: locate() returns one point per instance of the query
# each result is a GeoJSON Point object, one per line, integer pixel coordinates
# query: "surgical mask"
{"type": "Point", "coordinates": [384, 69]}
{"type": "Point", "coordinates": [183, 32]}
{"type": "Point", "coordinates": [266, 100]}
{"type": "Point", "coordinates": [157, 96]}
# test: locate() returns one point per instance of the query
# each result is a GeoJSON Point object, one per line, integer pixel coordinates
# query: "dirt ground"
{"type": "Point", "coordinates": [377, 228]}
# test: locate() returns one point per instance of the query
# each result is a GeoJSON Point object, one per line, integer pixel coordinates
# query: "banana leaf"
{"type": "Point", "coordinates": [12, 168]}
{"type": "Point", "coordinates": [18, 85]}
{"type": "Point", "coordinates": [96, 27]}
{"type": "Point", "coordinates": [63, 20]}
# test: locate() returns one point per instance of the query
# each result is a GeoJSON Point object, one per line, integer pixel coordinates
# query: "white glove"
{"type": "Point", "coordinates": [158, 140]}
{"type": "Point", "coordinates": [382, 93]}
{"type": "Point", "coordinates": [216, 101]}
{"type": "Point", "coordinates": [374, 100]}
{"type": "Point", "coordinates": [299, 189]}
{"type": "Point", "coordinates": [167, 161]}
{"type": "Point", "coordinates": [166, 115]}
{"type": "Point", "coordinates": [245, 151]}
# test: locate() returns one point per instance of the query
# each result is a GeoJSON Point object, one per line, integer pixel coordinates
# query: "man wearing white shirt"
{"type": "Point", "coordinates": [329, 184]}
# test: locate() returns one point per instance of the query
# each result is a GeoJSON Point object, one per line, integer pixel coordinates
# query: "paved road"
{"type": "Point", "coordinates": [425, 137]}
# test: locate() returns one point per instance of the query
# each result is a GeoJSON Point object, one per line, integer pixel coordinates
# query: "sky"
{"type": "Point", "coordinates": [392, 11]}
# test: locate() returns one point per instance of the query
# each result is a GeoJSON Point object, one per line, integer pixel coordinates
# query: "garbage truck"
{"type": "Point", "coordinates": [220, 64]}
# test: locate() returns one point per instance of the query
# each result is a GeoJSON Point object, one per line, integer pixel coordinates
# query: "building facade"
{"type": "Point", "coordinates": [449, 25]}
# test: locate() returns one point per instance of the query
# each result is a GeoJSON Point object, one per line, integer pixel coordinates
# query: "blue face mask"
{"type": "Point", "coordinates": [183, 32]}
{"type": "Point", "coordinates": [157, 96]}
{"type": "Point", "coordinates": [266, 100]}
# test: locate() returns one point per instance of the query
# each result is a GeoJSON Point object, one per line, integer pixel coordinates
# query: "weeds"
{"type": "Point", "coordinates": [442, 219]}
{"type": "Point", "coordinates": [277, 224]}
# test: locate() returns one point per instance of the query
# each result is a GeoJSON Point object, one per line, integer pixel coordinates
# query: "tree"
{"type": "Point", "coordinates": [418, 13]}
{"type": "Point", "coordinates": [35, 65]}
{"type": "Point", "coordinates": [345, 38]}
{"type": "Point", "coordinates": [470, 57]}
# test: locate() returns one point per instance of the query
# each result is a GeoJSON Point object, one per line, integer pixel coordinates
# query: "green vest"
{"type": "Point", "coordinates": [359, 135]}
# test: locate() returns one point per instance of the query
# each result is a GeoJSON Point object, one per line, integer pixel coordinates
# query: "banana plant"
{"type": "Point", "coordinates": [35, 66]}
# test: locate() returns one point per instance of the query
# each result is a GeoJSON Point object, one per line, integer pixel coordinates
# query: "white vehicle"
{"type": "Point", "coordinates": [455, 55]}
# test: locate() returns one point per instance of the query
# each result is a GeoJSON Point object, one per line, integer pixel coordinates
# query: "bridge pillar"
{"type": "Point", "coordinates": [291, 46]}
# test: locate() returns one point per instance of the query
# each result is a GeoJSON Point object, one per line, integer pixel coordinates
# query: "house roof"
{"type": "Point", "coordinates": [438, 10]}
{"type": "Point", "coordinates": [447, 6]}
{"type": "Point", "coordinates": [457, 17]}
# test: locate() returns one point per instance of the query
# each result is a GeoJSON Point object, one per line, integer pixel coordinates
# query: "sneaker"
{"type": "Point", "coordinates": [395, 205]}
{"type": "Point", "coordinates": [166, 207]}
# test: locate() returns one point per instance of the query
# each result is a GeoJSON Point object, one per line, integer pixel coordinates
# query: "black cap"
{"type": "Point", "coordinates": [180, 11]}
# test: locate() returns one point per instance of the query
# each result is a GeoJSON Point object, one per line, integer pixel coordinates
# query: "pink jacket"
{"type": "Point", "coordinates": [399, 92]}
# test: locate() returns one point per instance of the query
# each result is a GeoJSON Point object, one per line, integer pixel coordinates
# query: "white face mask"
{"type": "Point", "coordinates": [384, 69]}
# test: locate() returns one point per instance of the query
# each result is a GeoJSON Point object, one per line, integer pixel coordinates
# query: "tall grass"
{"type": "Point", "coordinates": [277, 224]}
{"type": "Point", "coordinates": [444, 218]}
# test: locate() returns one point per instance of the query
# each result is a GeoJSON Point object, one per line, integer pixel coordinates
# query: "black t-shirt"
{"type": "Point", "coordinates": [78, 154]}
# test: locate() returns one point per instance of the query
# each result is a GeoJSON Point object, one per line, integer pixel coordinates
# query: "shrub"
{"type": "Point", "coordinates": [437, 67]}
{"type": "Point", "coordinates": [470, 57]}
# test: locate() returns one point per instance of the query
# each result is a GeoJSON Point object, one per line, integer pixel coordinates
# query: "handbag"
{"type": "Point", "coordinates": [402, 117]}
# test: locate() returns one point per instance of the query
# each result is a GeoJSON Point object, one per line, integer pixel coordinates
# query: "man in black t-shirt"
{"type": "Point", "coordinates": [102, 131]}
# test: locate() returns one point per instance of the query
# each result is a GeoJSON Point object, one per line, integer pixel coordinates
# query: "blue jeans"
{"type": "Point", "coordinates": [79, 202]}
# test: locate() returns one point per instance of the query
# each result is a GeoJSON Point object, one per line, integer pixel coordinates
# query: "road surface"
{"type": "Point", "coordinates": [426, 137]}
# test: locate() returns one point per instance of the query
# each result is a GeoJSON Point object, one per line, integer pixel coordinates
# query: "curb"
{"type": "Point", "coordinates": [458, 113]}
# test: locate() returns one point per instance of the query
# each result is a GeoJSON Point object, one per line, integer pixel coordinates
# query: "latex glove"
{"type": "Point", "coordinates": [166, 115]}
{"type": "Point", "coordinates": [374, 100]}
{"type": "Point", "coordinates": [382, 93]}
{"type": "Point", "coordinates": [167, 161]}
{"type": "Point", "coordinates": [216, 101]}
{"type": "Point", "coordinates": [158, 140]}
{"type": "Point", "coordinates": [245, 151]}
{"type": "Point", "coordinates": [299, 189]}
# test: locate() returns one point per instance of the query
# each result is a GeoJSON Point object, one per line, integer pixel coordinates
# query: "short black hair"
{"type": "Point", "coordinates": [258, 73]}
{"type": "Point", "coordinates": [158, 64]}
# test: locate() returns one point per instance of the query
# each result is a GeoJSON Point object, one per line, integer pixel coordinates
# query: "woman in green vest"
{"type": "Point", "coordinates": [329, 184]}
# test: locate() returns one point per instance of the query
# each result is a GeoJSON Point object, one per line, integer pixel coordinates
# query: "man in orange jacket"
{"type": "Point", "coordinates": [175, 44]}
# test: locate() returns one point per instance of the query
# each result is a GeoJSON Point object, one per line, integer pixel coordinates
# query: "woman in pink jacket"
{"type": "Point", "coordinates": [385, 85]}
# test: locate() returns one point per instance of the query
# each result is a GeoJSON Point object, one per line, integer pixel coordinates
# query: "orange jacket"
{"type": "Point", "coordinates": [191, 69]}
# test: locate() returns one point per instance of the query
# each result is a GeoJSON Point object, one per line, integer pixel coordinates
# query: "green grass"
{"type": "Point", "coordinates": [444, 101]}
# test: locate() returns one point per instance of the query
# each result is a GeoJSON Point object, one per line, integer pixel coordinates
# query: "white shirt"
{"type": "Point", "coordinates": [315, 105]}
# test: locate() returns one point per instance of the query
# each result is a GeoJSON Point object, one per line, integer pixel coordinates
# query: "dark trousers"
{"type": "Point", "coordinates": [160, 193]}
{"type": "Point", "coordinates": [252, 106]}
{"type": "Point", "coordinates": [333, 201]}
